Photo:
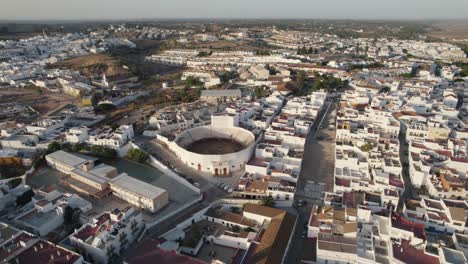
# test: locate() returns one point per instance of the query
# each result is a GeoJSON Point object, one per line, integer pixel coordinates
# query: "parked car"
{"type": "Point", "coordinates": [196, 184]}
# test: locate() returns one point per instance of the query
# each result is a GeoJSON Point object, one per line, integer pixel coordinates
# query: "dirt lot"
{"type": "Point", "coordinates": [216, 146]}
{"type": "Point", "coordinates": [95, 64]}
{"type": "Point", "coordinates": [39, 99]}
{"type": "Point", "coordinates": [450, 30]}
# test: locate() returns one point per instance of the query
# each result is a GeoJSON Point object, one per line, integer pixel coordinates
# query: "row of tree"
{"type": "Point", "coordinates": [327, 82]}
{"type": "Point", "coordinates": [304, 50]}
{"type": "Point", "coordinates": [95, 150]}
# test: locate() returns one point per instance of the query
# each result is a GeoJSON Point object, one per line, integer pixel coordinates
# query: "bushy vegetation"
{"type": "Point", "coordinates": [104, 107]}
{"type": "Point", "coordinates": [260, 92]}
{"type": "Point", "coordinates": [190, 81]}
{"type": "Point", "coordinates": [367, 147]}
{"type": "Point", "coordinates": [304, 50]}
{"type": "Point", "coordinates": [102, 151]}
{"type": "Point", "coordinates": [204, 53]}
{"type": "Point", "coordinates": [268, 201]}
{"type": "Point", "coordinates": [99, 151]}
{"type": "Point", "coordinates": [369, 66]}
{"type": "Point", "coordinates": [137, 155]}
{"type": "Point", "coordinates": [175, 96]}
{"type": "Point", "coordinates": [53, 147]}
{"type": "Point", "coordinates": [464, 69]}
{"type": "Point", "coordinates": [326, 82]}
{"type": "Point", "coordinates": [226, 76]}
{"type": "Point", "coordinates": [262, 52]}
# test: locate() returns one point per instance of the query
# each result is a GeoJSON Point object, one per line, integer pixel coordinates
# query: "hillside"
{"type": "Point", "coordinates": [95, 64]}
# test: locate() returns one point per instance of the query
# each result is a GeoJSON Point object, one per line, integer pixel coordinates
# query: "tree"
{"type": "Point", "coordinates": [80, 147]}
{"type": "Point", "coordinates": [114, 126]}
{"type": "Point", "coordinates": [67, 146]}
{"type": "Point", "coordinates": [262, 52]}
{"type": "Point", "coordinates": [104, 107]}
{"type": "Point", "coordinates": [137, 155]}
{"type": "Point", "coordinates": [102, 151]}
{"type": "Point", "coordinates": [367, 147]}
{"type": "Point", "coordinates": [259, 92]}
{"type": "Point", "coordinates": [384, 89]}
{"type": "Point", "coordinates": [204, 53]}
{"type": "Point", "coordinates": [268, 201]}
{"type": "Point", "coordinates": [24, 198]}
{"type": "Point", "coordinates": [193, 82]}
{"type": "Point", "coordinates": [53, 147]}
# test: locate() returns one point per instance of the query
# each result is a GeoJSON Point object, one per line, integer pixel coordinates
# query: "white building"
{"type": "Point", "coordinates": [108, 235]}
{"type": "Point", "coordinates": [138, 193]}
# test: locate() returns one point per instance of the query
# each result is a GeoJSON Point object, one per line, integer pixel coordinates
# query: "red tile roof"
{"type": "Point", "coordinates": [400, 222]}
{"type": "Point", "coordinates": [47, 253]}
{"type": "Point", "coordinates": [149, 253]}
{"type": "Point", "coordinates": [409, 254]}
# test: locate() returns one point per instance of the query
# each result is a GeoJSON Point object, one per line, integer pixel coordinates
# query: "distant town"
{"type": "Point", "coordinates": [236, 142]}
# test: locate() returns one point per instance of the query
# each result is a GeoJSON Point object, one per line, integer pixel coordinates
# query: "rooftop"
{"type": "Point", "coordinates": [67, 158]}
{"type": "Point", "coordinates": [139, 187]}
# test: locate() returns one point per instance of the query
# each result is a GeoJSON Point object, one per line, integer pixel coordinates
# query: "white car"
{"type": "Point", "coordinates": [197, 185]}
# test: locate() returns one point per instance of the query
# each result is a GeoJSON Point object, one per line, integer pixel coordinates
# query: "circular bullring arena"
{"type": "Point", "coordinates": [216, 150]}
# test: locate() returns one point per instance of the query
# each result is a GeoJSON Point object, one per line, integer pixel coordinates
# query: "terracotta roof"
{"type": "Point", "coordinates": [262, 210]}
{"type": "Point", "coordinates": [400, 222]}
{"type": "Point", "coordinates": [274, 240]}
{"type": "Point", "coordinates": [149, 253]}
{"type": "Point", "coordinates": [409, 254]}
{"type": "Point", "coordinates": [47, 253]}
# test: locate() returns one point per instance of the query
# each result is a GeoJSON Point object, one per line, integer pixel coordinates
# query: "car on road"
{"type": "Point", "coordinates": [226, 187]}
{"type": "Point", "coordinates": [230, 190]}
{"type": "Point", "coordinates": [196, 184]}
{"type": "Point", "coordinates": [300, 203]}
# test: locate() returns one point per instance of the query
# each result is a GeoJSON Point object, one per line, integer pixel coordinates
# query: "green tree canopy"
{"type": "Point", "coordinates": [137, 155]}
{"type": "Point", "coordinates": [268, 201]}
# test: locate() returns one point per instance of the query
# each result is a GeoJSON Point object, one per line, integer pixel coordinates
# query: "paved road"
{"type": "Point", "coordinates": [319, 158]}
{"type": "Point", "coordinates": [316, 176]}
{"type": "Point", "coordinates": [409, 191]}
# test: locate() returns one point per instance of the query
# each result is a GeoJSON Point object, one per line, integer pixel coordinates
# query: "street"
{"type": "Point", "coordinates": [316, 175]}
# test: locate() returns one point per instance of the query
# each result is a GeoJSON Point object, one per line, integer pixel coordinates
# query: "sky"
{"type": "Point", "coordinates": [261, 9]}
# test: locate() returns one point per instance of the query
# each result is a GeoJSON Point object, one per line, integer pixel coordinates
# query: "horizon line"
{"type": "Point", "coordinates": [226, 18]}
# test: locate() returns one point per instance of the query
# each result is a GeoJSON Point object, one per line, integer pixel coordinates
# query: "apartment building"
{"type": "Point", "coordinates": [107, 235]}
